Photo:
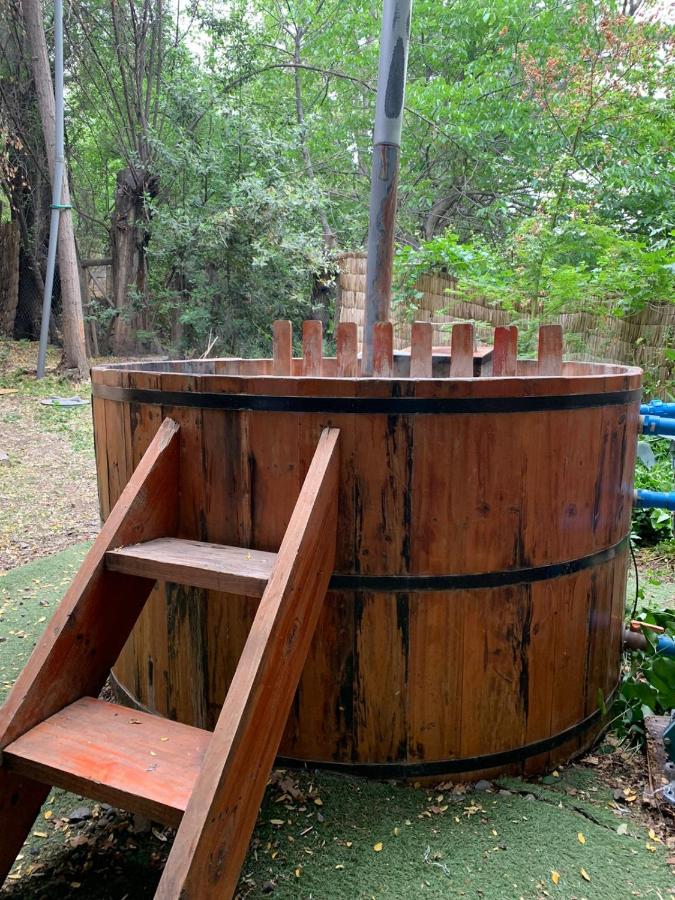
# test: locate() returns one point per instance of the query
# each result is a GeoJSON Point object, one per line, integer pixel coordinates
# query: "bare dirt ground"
{"type": "Point", "coordinates": [48, 495]}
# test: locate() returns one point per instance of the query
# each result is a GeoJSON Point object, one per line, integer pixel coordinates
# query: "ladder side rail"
{"type": "Point", "coordinates": [91, 624]}
{"type": "Point", "coordinates": [214, 835]}
{"type": "Point", "coordinates": [86, 633]}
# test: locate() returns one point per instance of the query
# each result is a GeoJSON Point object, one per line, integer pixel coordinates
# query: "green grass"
{"type": "Point", "coordinates": [435, 843]}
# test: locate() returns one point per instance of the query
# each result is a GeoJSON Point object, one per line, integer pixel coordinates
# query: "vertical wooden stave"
{"type": "Point", "coordinates": [549, 355]}
{"type": "Point", "coordinates": [505, 352]}
{"type": "Point", "coordinates": [347, 350]}
{"type": "Point", "coordinates": [186, 606]}
{"type": "Point", "coordinates": [282, 347]}
{"type": "Point", "coordinates": [312, 348]}
{"type": "Point", "coordinates": [100, 450]}
{"type": "Point", "coordinates": [461, 351]}
{"type": "Point", "coordinates": [383, 350]}
{"type": "Point", "coordinates": [421, 349]}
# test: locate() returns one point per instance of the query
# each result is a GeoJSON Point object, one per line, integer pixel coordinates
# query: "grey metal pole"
{"type": "Point", "coordinates": [394, 39]}
{"type": "Point", "coordinates": [57, 185]}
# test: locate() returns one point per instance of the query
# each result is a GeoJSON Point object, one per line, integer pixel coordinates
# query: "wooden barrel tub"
{"type": "Point", "coordinates": [474, 621]}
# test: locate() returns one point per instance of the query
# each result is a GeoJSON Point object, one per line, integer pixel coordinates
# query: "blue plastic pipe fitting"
{"type": "Point", "coordinates": [658, 408]}
{"type": "Point", "coordinates": [658, 425]}
{"type": "Point", "coordinates": [655, 499]}
{"type": "Point", "coordinates": [665, 646]}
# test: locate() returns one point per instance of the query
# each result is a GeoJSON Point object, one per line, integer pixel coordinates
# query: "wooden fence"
{"type": "Point", "coordinates": [639, 339]}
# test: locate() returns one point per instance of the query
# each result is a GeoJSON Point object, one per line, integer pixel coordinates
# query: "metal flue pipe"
{"type": "Point", "coordinates": [394, 38]}
{"type": "Point", "coordinates": [57, 186]}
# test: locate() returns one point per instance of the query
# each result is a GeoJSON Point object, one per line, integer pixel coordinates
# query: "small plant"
{"type": "Point", "coordinates": [648, 679]}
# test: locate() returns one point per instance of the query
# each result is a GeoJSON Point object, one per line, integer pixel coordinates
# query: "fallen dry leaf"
{"type": "Point", "coordinates": [585, 875]}
{"type": "Point", "coordinates": [555, 876]}
{"type": "Point", "coordinates": [377, 847]}
{"type": "Point", "coordinates": [581, 838]}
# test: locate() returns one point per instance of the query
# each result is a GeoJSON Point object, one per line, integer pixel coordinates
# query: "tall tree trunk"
{"type": "Point", "coordinates": [74, 344]}
{"type": "Point", "coordinates": [129, 237]}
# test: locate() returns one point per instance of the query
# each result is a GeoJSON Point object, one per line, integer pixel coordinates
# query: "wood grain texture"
{"type": "Point", "coordinates": [549, 356]}
{"type": "Point", "coordinates": [505, 351]}
{"type": "Point", "coordinates": [20, 802]}
{"type": "Point", "coordinates": [347, 350]}
{"type": "Point", "coordinates": [312, 347]}
{"type": "Point", "coordinates": [87, 631]}
{"type": "Point", "coordinates": [149, 684]}
{"type": "Point", "coordinates": [421, 338]}
{"type": "Point", "coordinates": [427, 494]}
{"type": "Point", "coordinates": [282, 347]}
{"type": "Point", "coordinates": [461, 354]}
{"type": "Point", "coordinates": [213, 836]}
{"type": "Point", "coordinates": [186, 611]}
{"type": "Point", "coordinates": [231, 570]}
{"type": "Point", "coordinates": [383, 350]}
{"type": "Point", "coordinates": [115, 755]}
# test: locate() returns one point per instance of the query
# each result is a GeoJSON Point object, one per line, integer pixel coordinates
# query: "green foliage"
{"type": "Point", "coordinates": [648, 679]}
{"type": "Point", "coordinates": [536, 157]}
{"type": "Point", "coordinates": [651, 526]}
{"type": "Point", "coordinates": [575, 265]}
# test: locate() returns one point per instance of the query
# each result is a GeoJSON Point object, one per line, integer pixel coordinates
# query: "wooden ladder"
{"type": "Point", "coordinates": [53, 730]}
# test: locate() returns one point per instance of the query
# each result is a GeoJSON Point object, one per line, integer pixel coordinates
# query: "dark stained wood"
{"type": "Point", "coordinates": [346, 339]}
{"type": "Point", "coordinates": [232, 570]}
{"type": "Point", "coordinates": [101, 452]}
{"type": "Point", "coordinates": [282, 352]}
{"type": "Point", "coordinates": [112, 754]}
{"type": "Point", "coordinates": [435, 666]}
{"type": "Point", "coordinates": [549, 356]}
{"type": "Point", "coordinates": [312, 347]}
{"type": "Point", "coordinates": [421, 338]}
{"type": "Point", "coordinates": [461, 355]}
{"type": "Point", "coordinates": [429, 495]}
{"type": "Point", "coordinates": [150, 685]}
{"type": "Point", "coordinates": [213, 836]}
{"type": "Point", "coordinates": [87, 631]}
{"type": "Point", "coordinates": [383, 350]}
{"type": "Point", "coordinates": [186, 613]}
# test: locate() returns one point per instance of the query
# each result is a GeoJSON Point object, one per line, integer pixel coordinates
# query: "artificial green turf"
{"type": "Point", "coordinates": [434, 843]}
{"type": "Point", "coordinates": [28, 596]}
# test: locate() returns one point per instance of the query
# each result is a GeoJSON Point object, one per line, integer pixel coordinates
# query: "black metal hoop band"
{"type": "Point", "coordinates": [456, 766]}
{"type": "Point", "coordinates": [412, 583]}
{"type": "Point", "coordinates": [368, 405]}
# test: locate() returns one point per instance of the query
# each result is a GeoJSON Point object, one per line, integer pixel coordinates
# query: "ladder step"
{"type": "Point", "coordinates": [115, 755]}
{"type": "Point", "coordinates": [231, 570]}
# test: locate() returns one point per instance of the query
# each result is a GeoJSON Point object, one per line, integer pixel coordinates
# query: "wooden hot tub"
{"type": "Point", "coordinates": [474, 620]}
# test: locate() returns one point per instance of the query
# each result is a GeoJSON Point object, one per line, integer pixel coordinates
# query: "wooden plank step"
{"type": "Point", "coordinates": [232, 570]}
{"type": "Point", "coordinates": [116, 755]}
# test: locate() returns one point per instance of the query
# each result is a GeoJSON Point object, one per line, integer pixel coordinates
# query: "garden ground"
{"type": "Point", "coordinates": [583, 832]}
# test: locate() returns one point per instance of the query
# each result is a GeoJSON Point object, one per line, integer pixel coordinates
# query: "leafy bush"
{"type": "Point", "coordinates": [651, 526]}
{"type": "Point", "coordinates": [544, 268]}
{"type": "Point", "coordinates": [648, 680]}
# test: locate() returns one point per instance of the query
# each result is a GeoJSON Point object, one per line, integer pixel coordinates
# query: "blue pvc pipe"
{"type": "Point", "coordinates": [655, 499]}
{"type": "Point", "coordinates": [665, 646]}
{"type": "Point", "coordinates": [658, 425]}
{"type": "Point", "coordinates": [658, 408]}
